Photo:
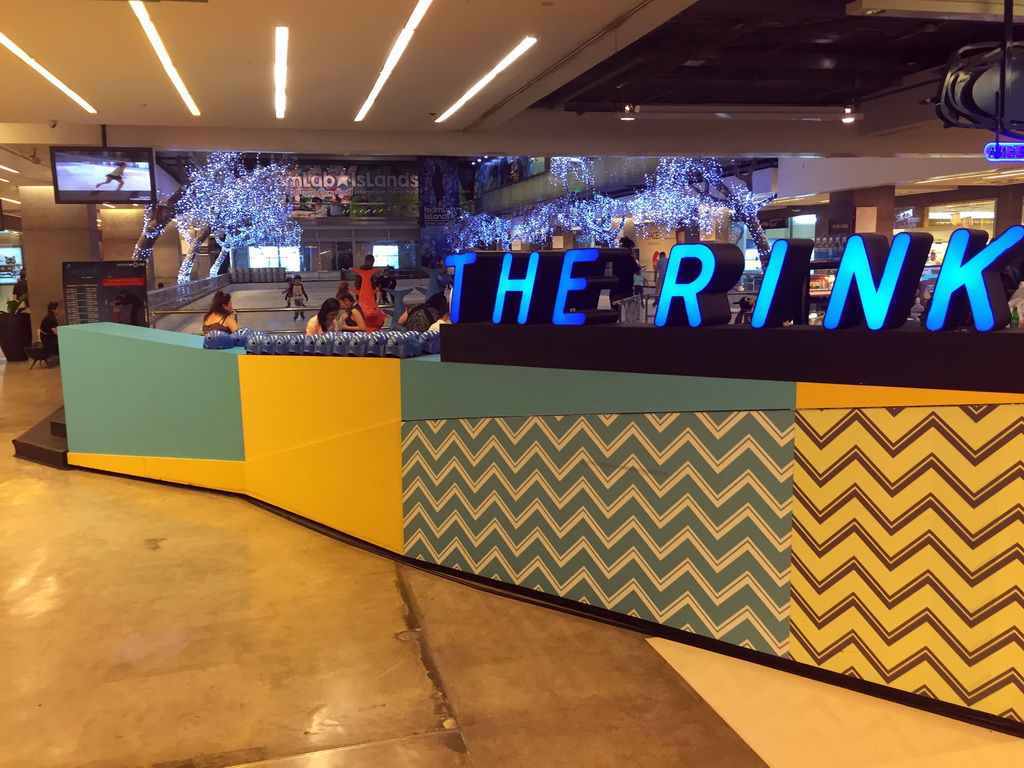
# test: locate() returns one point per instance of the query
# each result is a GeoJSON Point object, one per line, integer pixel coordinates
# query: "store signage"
{"type": "Point", "coordinates": [875, 284]}
{"type": "Point", "coordinates": [1005, 152]}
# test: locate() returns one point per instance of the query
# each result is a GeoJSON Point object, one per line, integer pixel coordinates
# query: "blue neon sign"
{"type": "Point", "coordinates": [783, 282]}
{"type": "Point", "coordinates": [970, 276]}
{"type": "Point", "coordinates": [459, 261]}
{"type": "Point", "coordinates": [884, 283]}
{"type": "Point", "coordinates": [568, 284]}
{"type": "Point", "coordinates": [875, 283]}
{"type": "Point", "coordinates": [699, 274]}
{"type": "Point", "coordinates": [524, 286]}
{"type": "Point", "coordinates": [1005, 152]}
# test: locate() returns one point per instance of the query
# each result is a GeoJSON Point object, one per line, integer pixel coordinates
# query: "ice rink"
{"type": "Point", "coordinates": [270, 297]}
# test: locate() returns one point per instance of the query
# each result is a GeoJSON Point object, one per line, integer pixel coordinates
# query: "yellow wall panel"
{"type": "Point", "coordinates": [296, 401]}
{"type": "Point", "coordinates": [206, 473]}
{"type": "Point", "coordinates": [812, 395]}
{"type": "Point", "coordinates": [351, 482]}
{"type": "Point", "coordinates": [337, 461]}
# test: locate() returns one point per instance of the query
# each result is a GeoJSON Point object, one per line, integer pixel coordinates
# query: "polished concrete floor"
{"type": "Point", "coordinates": [144, 625]}
{"type": "Point", "coordinates": [147, 625]}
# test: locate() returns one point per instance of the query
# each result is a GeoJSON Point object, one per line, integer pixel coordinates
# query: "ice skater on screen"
{"type": "Point", "coordinates": [115, 175]}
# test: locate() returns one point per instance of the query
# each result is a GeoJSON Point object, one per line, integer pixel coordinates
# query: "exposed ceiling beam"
{"type": "Point", "coordinates": [956, 10]}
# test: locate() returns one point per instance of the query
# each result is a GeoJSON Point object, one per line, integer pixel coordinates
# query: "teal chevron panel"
{"type": "Point", "coordinates": [433, 389]}
{"type": "Point", "coordinates": [679, 518]}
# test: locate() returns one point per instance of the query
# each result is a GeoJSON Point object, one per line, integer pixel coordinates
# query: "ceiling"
{"type": "Point", "coordinates": [224, 51]}
{"type": "Point", "coordinates": [767, 62]}
{"type": "Point", "coordinates": [787, 52]}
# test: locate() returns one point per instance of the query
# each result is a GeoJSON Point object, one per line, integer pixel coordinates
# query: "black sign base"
{"type": "Point", "coordinates": [906, 357]}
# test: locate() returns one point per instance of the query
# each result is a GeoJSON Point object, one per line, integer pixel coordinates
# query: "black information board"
{"type": "Point", "coordinates": [105, 292]}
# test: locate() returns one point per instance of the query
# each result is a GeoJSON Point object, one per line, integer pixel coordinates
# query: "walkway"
{"type": "Point", "coordinates": [157, 626]}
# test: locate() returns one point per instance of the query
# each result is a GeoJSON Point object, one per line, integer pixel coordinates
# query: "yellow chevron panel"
{"type": "Point", "coordinates": [814, 395]}
{"type": "Point", "coordinates": [205, 473]}
{"type": "Point", "coordinates": [297, 401]}
{"type": "Point", "coordinates": [908, 553]}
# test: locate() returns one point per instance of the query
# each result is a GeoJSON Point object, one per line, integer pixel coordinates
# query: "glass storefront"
{"type": "Point", "coordinates": [942, 220]}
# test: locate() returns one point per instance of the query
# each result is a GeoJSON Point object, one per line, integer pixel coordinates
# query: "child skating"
{"type": "Point", "coordinates": [296, 294]}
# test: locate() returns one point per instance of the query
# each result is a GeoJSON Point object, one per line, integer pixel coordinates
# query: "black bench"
{"type": "Point", "coordinates": [40, 354]}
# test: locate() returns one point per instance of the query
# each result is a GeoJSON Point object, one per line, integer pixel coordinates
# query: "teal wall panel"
{"type": "Point", "coordinates": [432, 389]}
{"type": "Point", "coordinates": [678, 518]}
{"type": "Point", "coordinates": [141, 392]}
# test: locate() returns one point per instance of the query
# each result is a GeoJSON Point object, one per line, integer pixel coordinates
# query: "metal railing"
{"type": "Point", "coordinates": [175, 296]}
{"type": "Point", "coordinates": [258, 318]}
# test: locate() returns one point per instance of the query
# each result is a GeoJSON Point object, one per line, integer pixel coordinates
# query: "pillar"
{"type": "Point", "coordinates": [874, 210]}
{"type": "Point", "coordinates": [119, 229]}
{"type": "Point", "coordinates": [1009, 207]}
{"type": "Point", "coordinates": [51, 235]}
{"type": "Point", "coordinates": [166, 257]}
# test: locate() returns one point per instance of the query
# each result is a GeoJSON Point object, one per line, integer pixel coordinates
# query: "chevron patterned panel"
{"type": "Point", "coordinates": [679, 518]}
{"type": "Point", "coordinates": [907, 550]}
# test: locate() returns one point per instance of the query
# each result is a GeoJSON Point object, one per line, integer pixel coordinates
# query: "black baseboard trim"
{"type": "Point", "coordinates": [605, 616]}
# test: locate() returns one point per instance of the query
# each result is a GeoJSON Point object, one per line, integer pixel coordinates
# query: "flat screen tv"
{"type": "Point", "coordinates": [103, 175]}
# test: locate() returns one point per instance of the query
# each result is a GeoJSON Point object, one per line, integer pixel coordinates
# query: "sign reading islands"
{"type": "Point", "coordinates": [354, 191]}
{"type": "Point", "coordinates": [875, 284]}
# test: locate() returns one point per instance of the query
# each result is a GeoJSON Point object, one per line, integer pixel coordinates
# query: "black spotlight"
{"type": "Point", "coordinates": [969, 95]}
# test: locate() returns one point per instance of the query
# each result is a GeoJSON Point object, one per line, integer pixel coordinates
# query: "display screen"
{"type": "Point", "coordinates": [103, 174]}
{"type": "Point", "coordinates": [385, 256]}
{"type": "Point", "coordinates": [10, 264]}
{"type": "Point", "coordinates": [272, 256]}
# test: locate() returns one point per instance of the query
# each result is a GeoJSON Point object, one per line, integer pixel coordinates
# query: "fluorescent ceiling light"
{"type": "Point", "coordinates": [5, 181]}
{"type": "Point", "coordinates": [13, 48]}
{"type": "Point", "coordinates": [161, 52]}
{"type": "Point", "coordinates": [107, 205]}
{"type": "Point", "coordinates": [8, 200]}
{"type": "Point", "coordinates": [4, 167]}
{"type": "Point", "coordinates": [396, 53]}
{"type": "Point", "coordinates": [280, 68]}
{"type": "Point", "coordinates": [518, 51]}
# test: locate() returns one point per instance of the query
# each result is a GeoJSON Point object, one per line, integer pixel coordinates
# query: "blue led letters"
{"type": "Point", "coordinates": [970, 278]}
{"type": "Point", "coordinates": [699, 276]}
{"type": "Point", "coordinates": [524, 286]}
{"type": "Point", "coordinates": [568, 284]}
{"type": "Point", "coordinates": [458, 261]}
{"type": "Point", "coordinates": [779, 298]}
{"type": "Point", "coordinates": [876, 283]}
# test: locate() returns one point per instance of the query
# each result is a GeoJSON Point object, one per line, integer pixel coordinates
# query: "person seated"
{"type": "Point", "coordinates": [446, 320]}
{"type": "Point", "coordinates": [325, 321]}
{"type": "Point", "coordinates": [48, 327]}
{"type": "Point", "coordinates": [351, 313]}
{"type": "Point", "coordinates": [424, 315]}
{"type": "Point", "coordinates": [221, 316]}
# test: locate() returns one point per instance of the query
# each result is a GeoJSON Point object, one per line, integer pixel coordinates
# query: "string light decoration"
{"type": "Point", "coordinates": [593, 216]}
{"type": "Point", "coordinates": [694, 192]}
{"type": "Point", "coordinates": [237, 206]}
{"type": "Point", "coordinates": [683, 192]}
{"type": "Point", "coordinates": [573, 169]}
{"type": "Point", "coordinates": [155, 219]}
